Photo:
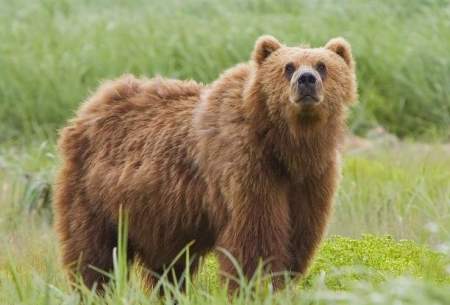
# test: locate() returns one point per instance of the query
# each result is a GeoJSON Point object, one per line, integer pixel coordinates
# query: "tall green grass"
{"type": "Point", "coordinates": [367, 270]}
{"type": "Point", "coordinates": [346, 271]}
{"type": "Point", "coordinates": [402, 190]}
{"type": "Point", "coordinates": [53, 52]}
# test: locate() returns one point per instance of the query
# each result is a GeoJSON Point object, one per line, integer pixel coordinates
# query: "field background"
{"type": "Point", "coordinates": [396, 178]}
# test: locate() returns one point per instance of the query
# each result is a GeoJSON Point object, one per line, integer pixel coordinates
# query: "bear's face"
{"type": "Point", "coordinates": [305, 85]}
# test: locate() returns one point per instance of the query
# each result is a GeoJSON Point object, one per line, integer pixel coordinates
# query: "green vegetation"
{"type": "Point", "coordinates": [54, 51]}
{"type": "Point", "coordinates": [343, 261]}
{"type": "Point", "coordinates": [383, 192]}
{"type": "Point", "coordinates": [402, 190]}
{"type": "Point", "coordinates": [389, 240]}
{"type": "Point", "coordinates": [371, 264]}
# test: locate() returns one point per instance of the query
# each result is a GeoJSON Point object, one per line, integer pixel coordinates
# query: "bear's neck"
{"type": "Point", "coordinates": [299, 149]}
{"type": "Point", "coordinates": [306, 150]}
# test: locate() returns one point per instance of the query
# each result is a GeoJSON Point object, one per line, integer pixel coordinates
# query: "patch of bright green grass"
{"type": "Point", "coordinates": [376, 258]}
{"type": "Point", "coordinates": [343, 260]}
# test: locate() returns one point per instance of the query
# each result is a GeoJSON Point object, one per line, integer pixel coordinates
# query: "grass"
{"type": "Point", "coordinates": [54, 51]}
{"type": "Point", "coordinates": [380, 187]}
{"type": "Point", "coordinates": [402, 190]}
{"type": "Point", "coordinates": [344, 270]}
{"type": "Point", "coordinates": [342, 261]}
{"type": "Point", "coordinates": [389, 239]}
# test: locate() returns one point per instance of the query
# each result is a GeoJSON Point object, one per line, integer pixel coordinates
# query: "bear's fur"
{"type": "Point", "coordinates": [247, 164]}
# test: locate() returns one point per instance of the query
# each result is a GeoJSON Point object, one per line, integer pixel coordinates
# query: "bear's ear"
{"type": "Point", "coordinates": [341, 47]}
{"type": "Point", "coordinates": [264, 46]}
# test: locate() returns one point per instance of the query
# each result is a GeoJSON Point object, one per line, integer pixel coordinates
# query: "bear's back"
{"type": "Point", "coordinates": [128, 109]}
{"type": "Point", "coordinates": [130, 136]}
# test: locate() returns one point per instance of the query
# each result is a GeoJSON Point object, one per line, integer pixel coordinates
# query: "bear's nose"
{"type": "Point", "coordinates": [307, 79]}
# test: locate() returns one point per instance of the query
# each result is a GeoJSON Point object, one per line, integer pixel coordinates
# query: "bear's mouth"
{"type": "Point", "coordinates": [307, 102]}
{"type": "Point", "coordinates": [308, 107]}
{"type": "Point", "coordinates": [308, 99]}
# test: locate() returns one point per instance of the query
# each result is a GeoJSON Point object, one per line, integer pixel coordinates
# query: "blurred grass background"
{"type": "Point", "coordinates": [54, 51]}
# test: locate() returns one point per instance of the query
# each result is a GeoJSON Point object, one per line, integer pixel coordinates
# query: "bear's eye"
{"type": "Point", "coordinates": [289, 70]}
{"type": "Point", "coordinates": [322, 69]}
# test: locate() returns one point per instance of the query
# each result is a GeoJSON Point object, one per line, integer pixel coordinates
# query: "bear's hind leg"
{"type": "Point", "coordinates": [89, 248]}
{"type": "Point", "coordinates": [175, 278]}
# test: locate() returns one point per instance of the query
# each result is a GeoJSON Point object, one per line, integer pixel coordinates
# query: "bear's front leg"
{"type": "Point", "coordinates": [310, 205]}
{"type": "Point", "coordinates": [257, 232]}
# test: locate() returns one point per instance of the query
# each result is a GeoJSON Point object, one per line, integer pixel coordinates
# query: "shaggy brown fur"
{"type": "Point", "coordinates": [248, 164]}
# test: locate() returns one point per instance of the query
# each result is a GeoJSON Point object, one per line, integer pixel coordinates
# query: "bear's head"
{"type": "Point", "coordinates": [304, 85]}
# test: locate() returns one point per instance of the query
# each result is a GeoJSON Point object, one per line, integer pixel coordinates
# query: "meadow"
{"type": "Point", "coordinates": [389, 239]}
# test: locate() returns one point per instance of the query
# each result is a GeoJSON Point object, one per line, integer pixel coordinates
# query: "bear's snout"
{"type": "Point", "coordinates": [308, 87]}
{"type": "Point", "coordinates": [307, 80]}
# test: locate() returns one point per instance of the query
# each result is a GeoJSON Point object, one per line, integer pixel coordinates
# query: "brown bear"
{"type": "Point", "coordinates": [248, 164]}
